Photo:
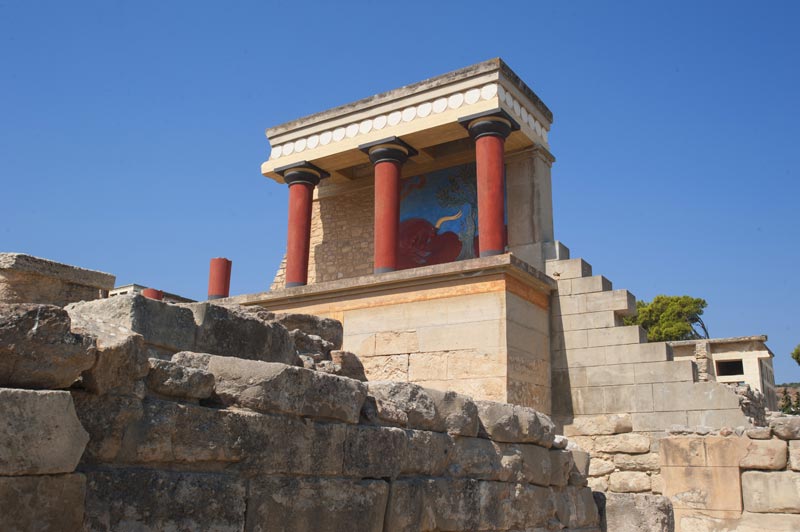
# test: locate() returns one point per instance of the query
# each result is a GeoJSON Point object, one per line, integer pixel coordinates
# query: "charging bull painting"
{"type": "Point", "coordinates": [438, 217]}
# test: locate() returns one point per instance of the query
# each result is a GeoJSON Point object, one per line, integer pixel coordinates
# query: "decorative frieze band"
{"type": "Point", "coordinates": [454, 101]}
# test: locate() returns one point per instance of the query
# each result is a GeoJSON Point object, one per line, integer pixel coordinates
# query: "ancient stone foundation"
{"type": "Point", "coordinates": [131, 414]}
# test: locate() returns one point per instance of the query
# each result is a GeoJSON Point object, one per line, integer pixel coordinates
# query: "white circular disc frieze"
{"type": "Point", "coordinates": [472, 96]}
{"type": "Point", "coordinates": [300, 145]}
{"type": "Point", "coordinates": [325, 138]}
{"type": "Point", "coordinates": [394, 118]}
{"type": "Point", "coordinates": [409, 114]}
{"type": "Point", "coordinates": [439, 105]}
{"type": "Point", "coordinates": [313, 141]}
{"type": "Point", "coordinates": [351, 131]}
{"type": "Point", "coordinates": [424, 109]}
{"type": "Point", "coordinates": [455, 101]}
{"type": "Point", "coordinates": [365, 126]}
{"type": "Point", "coordinates": [379, 122]}
{"type": "Point", "coordinates": [489, 91]}
{"type": "Point", "coordinates": [338, 134]}
{"type": "Point", "coordinates": [288, 148]}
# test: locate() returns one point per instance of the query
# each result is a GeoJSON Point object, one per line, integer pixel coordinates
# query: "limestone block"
{"type": "Point", "coordinates": [620, 301]}
{"type": "Point", "coordinates": [485, 460]}
{"type": "Point", "coordinates": [121, 358]}
{"type": "Point", "coordinates": [759, 433]}
{"type": "Point", "coordinates": [536, 464]}
{"type": "Point", "coordinates": [382, 412]}
{"type": "Point", "coordinates": [568, 269]}
{"type": "Point", "coordinates": [582, 510]}
{"type": "Point", "coordinates": [629, 482]}
{"type": "Point", "coordinates": [429, 366]}
{"type": "Point", "coordinates": [599, 467]}
{"type": "Point", "coordinates": [316, 504]}
{"type": "Point", "coordinates": [106, 419]}
{"type": "Point", "coordinates": [417, 403]}
{"type": "Point", "coordinates": [173, 380]}
{"type": "Point", "coordinates": [703, 488]}
{"type": "Point", "coordinates": [589, 320]}
{"type": "Point", "coordinates": [388, 368]}
{"type": "Point", "coordinates": [37, 349]}
{"type": "Point", "coordinates": [350, 365]}
{"type": "Point", "coordinates": [729, 417]}
{"type": "Point", "coordinates": [638, 353]}
{"type": "Point", "coordinates": [596, 425]}
{"type": "Point", "coordinates": [690, 395]}
{"type": "Point", "coordinates": [638, 512]}
{"type": "Point", "coordinates": [560, 466]}
{"type": "Point", "coordinates": [794, 455]}
{"type": "Point", "coordinates": [630, 443]}
{"type": "Point", "coordinates": [724, 451]}
{"type": "Point", "coordinates": [126, 499]}
{"type": "Point", "coordinates": [657, 421]}
{"type": "Point", "coordinates": [666, 371]}
{"type": "Point", "coordinates": [278, 388]}
{"type": "Point", "coordinates": [756, 522]}
{"type": "Point", "coordinates": [581, 460]}
{"type": "Point", "coordinates": [328, 329]}
{"type": "Point", "coordinates": [637, 462]}
{"type": "Point", "coordinates": [163, 325]}
{"type": "Point", "coordinates": [42, 502]}
{"type": "Point", "coordinates": [598, 484]}
{"type": "Point", "coordinates": [467, 363]}
{"type": "Point", "coordinates": [428, 453]}
{"type": "Point", "coordinates": [28, 279]}
{"type": "Point", "coordinates": [765, 454]}
{"type": "Point", "coordinates": [588, 400]}
{"type": "Point", "coordinates": [616, 374]}
{"type": "Point", "coordinates": [309, 344]}
{"type": "Point", "coordinates": [613, 336]}
{"type": "Point", "coordinates": [585, 285]}
{"type": "Point", "coordinates": [458, 412]}
{"type": "Point", "coordinates": [684, 451]}
{"type": "Point", "coordinates": [485, 335]}
{"type": "Point", "coordinates": [245, 332]}
{"type": "Point", "coordinates": [775, 492]}
{"type": "Point", "coordinates": [657, 483]}
{"type": "Point", "coordinates": [39, 433]}
{"type": "Point", "coordinates": [786, 428]}
{"type": "Point", "coordinates": [374, 452]}
{"type": "Point", "coordinates": [628, 398]}
{"type": "Point", "coordinates": [510, 423]}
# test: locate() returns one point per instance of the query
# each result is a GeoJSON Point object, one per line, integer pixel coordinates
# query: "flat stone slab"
{"type": "Point", "coordinates": [39, 433]}
{"type": "Point", "coordinates": [271, 387]}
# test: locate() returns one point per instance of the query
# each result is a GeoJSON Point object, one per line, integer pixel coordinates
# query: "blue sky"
{"type": "Point", "coordinates": [131, 133]}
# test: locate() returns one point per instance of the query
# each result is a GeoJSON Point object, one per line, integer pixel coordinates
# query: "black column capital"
{"type": "Point", "coordinates": [389, 149]}
{"type": "Point", "coordinates": [302, 172]}
{"type": "Point", "coordinates": [496, 123]}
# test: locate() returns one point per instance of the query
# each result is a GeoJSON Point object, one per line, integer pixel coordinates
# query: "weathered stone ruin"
{"type": "Point", "coordinates": [415, 366]}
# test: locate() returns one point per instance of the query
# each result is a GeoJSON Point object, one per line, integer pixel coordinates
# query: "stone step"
{"type": "Point", "coordinates": [589, 320]}
{"type": "Point", "coordinates": [621, 302]}
{"type": "Point", "coordinates": [583, 285]}
{"type": "Point", "coordinates": [567, 269]}
{"type": "Point", "coordinates": [609, 336]}
{"type": "Point", "coordinates": [618, 354]}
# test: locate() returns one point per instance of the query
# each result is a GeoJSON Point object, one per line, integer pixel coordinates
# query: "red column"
{"type": "Point", "coordinates": [219, 278]}
{"type": "Point", "coordinates": [489, 134]}
{"type": "Point", "coordinates": [152, 293]}
{"type": "Point", "coordinates": [388, 157]}
{"type": "Point", "coordinates": [301, 181]}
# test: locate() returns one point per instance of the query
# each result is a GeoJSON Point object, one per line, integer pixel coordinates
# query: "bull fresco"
{"type": "Point", "coordinates": [438, 217]}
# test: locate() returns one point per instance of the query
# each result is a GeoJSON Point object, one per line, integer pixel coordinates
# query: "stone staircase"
{"type": "Point", "coordinates": [601, 366]}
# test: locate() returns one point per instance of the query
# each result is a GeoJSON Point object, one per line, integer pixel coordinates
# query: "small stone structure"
{"type": "Point", "coordinates": [27, 279]}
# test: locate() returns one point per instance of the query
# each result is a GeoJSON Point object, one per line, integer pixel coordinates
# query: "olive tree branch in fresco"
{"type": "Point", "coordinates": [460, 193]}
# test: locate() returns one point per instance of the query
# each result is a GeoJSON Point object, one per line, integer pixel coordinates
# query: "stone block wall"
{"type": "Point", "coordinates": [201, 417]}
{"type": "Point", "coordinates": [601, 366]}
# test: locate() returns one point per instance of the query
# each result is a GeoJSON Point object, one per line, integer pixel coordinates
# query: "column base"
{"type": "Point", "coordinates": [294, 284]}
{"type": "Point", "coordinates": [386, 269]}
{"type": "Point", "coordinates": [491, 252]}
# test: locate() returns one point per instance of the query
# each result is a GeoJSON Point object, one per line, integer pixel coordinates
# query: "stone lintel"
{"type": "Point", "coordinates": [506, 264]}
{"type": "Point", "coordinates": [424, 114]}
{"type": "Point", "coordinates": [732, 341]}
{"type": "Point", "coordinates": [21, 262]}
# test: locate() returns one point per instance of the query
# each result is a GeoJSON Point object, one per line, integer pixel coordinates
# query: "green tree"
{"type": "Point", "coordinates": [796, 354]}
{"type": "Point", "coordinates": [785, 404]}
{"type": "Point", "coordinates": [669, 318]}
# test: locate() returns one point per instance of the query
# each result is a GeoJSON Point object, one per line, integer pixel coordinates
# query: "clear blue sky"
{"type": "Point", "coordinates": [131, 133]}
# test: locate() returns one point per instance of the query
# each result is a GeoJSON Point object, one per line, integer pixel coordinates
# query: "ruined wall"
{"type": "Point", "coordinates": [172, 436]}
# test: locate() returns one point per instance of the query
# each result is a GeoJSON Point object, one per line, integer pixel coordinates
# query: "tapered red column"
{"type": "Point", "coordinates": [489, 134]}
{"type": "Point", "coordinates": [219, 278]}
{"type": "Point", "coordinates": [388, 157]}
{"type": "Point", "coordinates": [301, 181]}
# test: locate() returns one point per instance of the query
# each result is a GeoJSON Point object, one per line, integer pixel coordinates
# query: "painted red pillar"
{"type": "Point", "coordinates": [219, 278]}
{"type": "Point", "coordinates": [388, 156]}
{"type": "Point", "coordinates": [152, 293]}
{"type": "Point", "coordinates": [301, 178]}
{"type": "Point", "coordinates": [489, 133]}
